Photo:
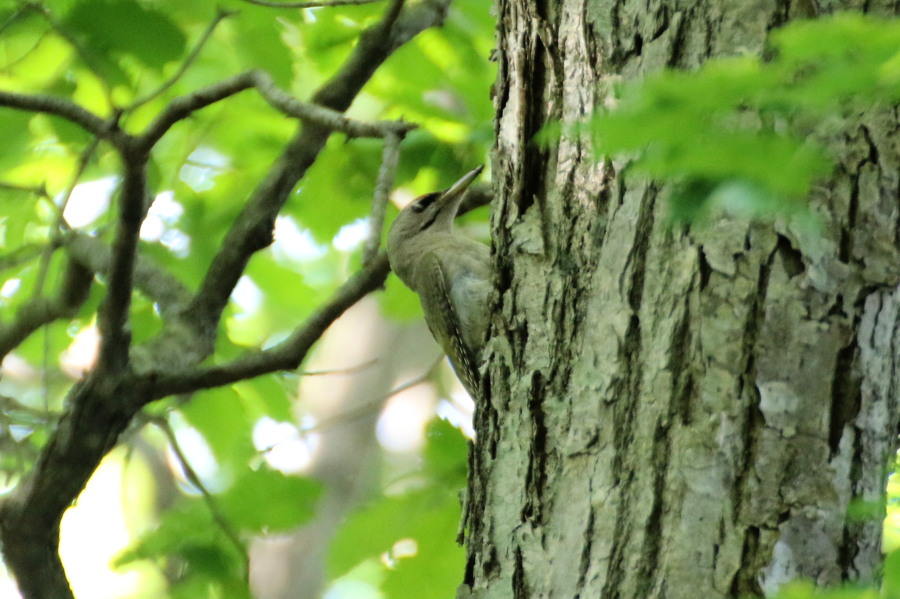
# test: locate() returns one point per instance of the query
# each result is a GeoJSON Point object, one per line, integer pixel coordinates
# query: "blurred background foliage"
{"type": "Point", "coordinates": [175, 511]}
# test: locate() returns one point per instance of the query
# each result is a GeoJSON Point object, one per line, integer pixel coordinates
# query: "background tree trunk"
{"type": "Point", "coordinates": [348, 456]}
{"type": "Point", "coordinates": [675, 413]}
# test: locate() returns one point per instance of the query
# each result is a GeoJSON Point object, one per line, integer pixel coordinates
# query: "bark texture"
{"type": "Point", "coordinates": [676, 413]}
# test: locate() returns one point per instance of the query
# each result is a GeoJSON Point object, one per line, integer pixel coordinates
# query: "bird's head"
{"type": "Point", "coordinates": [432, 212]}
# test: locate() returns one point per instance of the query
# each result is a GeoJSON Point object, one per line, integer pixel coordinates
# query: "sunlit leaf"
{"type": "Point", "coordinates": [445, 453]}
{"type": "Point", "coordinates": [269, 501]}
{"type": "Point", "coordinates": [126, 27]}
{"type": "Point", "coordinates": [225, 423]}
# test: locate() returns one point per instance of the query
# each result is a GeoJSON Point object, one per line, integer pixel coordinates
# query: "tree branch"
{"type": "Point", "coordinates": [97, 414]}
{"type": "Point", "coordinates": [83, 160]}
{"type": "Point", "coordinates": [38, 190]}
{"type": "Point", "coordinates": [70, 111]}
{"type": "Point", "coordinates": [324, 117]}
{"type": "Point", "coordinates": [113, 315]}
{"type": "Point", "coordinates": [389, 159]}
{"type": "Point", "coordinates": [25, 253]}
{"type": "Point", "coordinates": [287, 355]}
{"type": "Point", "coordinates": [40, 311]}
{"type": "Point", "coordinates": [373, 404]}
{"type": "Point", "coordinates": [252, 229]}
{"type": "Point", "coordinates": [151, 280]}
{"type": "Point", "coordinates": [181, 107]}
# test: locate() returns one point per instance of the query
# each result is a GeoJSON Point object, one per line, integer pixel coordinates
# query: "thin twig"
{"type": "Point", "coordinates": [313, 4]}
{"type": "Point", "coordinates": [83, 160]}
{"type": "Point", "coordinates": [220, 15]}
{"type": "Point", "coordinates": [191, 475]}
{"type": "Point", "coordinates": [363, 408]}
{"type": "Point", "coordinates": [23, 254]}
{"type": "Point", "coordinates": [38, 190]}
{"type": "Point", "coordinates": [390, 157]}
{"type": "Point", "coordinates": [183, 106]}
{"type": "Point", "coordinates": [334, 371]}
{"type": "Point", "coordinates": [60, 223]}
{"type": "Point", "coordinates": [10, 405]}
{"type": "Point", "coordinates": [87, 120]}
{"type": "Point", "coordinates": [373, 404]}
{"type": "Point", "coordinates": [324, 117]}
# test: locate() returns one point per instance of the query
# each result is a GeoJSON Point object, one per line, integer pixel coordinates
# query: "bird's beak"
{"type": "Point", "coordinates": [459, 188]}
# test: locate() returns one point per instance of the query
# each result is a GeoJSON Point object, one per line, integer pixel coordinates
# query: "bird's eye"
{"type": "Point", "coordinates": [424, 202]}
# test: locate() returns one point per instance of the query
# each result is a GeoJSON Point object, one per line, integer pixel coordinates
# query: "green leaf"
{"type": "Point", "coordinates": [862, 510]}
{"type": "Point", "coordinates": [224, 421]}
{"type": "Point", "coordinates": [268, 396]}
{"type": "Point", "coordinates": [446, 453]}
{"type": "Point", "coordinates": [269, 501]}
{"type": "Point", "coordinates": [804, 589]}
{"type": "Point", "coordinates": [338, 189]}
{"type": "Point", "coordinates": [288, 297]}
{"type": "Point", "coordinates": [145, 321]}
{"type": "Point", "coordinates": [437, 567]}
{"type": "Point", "coordinates": [399, 302]}
{"type": "Point", "coordinates": [126, 27]}
{"type": "Point", "coordinates": [15, 135]}
{"type": "Point", "coordinates": [258, 42]}
{"type": "Point", "coordinates": [890, 584]}
{"type": "Point", "coordinates": [188, 532]}
{"type": "Point", "coordinates": [429, 516]}
{"type": "Point", "coordinates": [374, 529]}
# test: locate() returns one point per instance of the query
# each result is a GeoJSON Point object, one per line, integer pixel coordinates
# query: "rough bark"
{"type": "Point", "coordinates": [675, 413]}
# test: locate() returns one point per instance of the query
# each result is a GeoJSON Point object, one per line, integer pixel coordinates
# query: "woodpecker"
{"type": "Point", "coordinates": [451, 275]}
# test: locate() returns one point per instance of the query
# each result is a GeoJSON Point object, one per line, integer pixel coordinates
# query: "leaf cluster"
{"type": "Point", "coordinates": [748, 130]}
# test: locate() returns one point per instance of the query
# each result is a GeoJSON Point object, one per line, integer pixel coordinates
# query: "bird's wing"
{"type": "Point", "coordinates": [444, 322]}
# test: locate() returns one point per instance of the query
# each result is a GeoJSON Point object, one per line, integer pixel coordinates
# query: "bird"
{"type": "Point", "coordinates": [450, 273]}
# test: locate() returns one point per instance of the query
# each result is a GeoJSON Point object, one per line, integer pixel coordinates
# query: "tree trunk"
{"type": "Point", "coordinates": [675, 413]}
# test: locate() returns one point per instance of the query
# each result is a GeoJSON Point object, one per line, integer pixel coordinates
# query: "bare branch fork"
{"type": "Point", "coordinates": [101, 406]}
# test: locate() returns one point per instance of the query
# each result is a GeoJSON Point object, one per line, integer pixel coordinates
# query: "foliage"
{"type": "Point", "coordinates": [742, 131]}
{"type": "Point", "coordinates": [130, 59]}
{"type": "Point", "coordinates": [426, 515]}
